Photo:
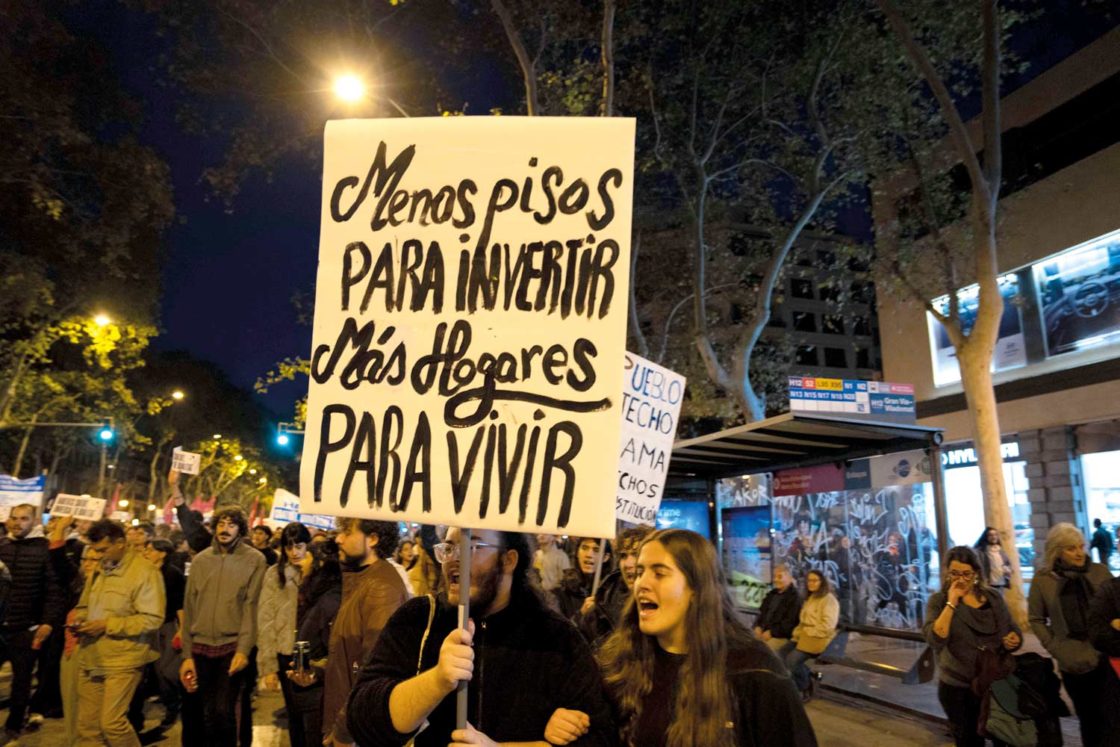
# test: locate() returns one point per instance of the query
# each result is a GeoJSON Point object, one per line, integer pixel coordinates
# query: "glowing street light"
{"type": "Point", "coordinates": [152, 507]}
{"type": "Point", "coordinates": [283, 439]}
{"type": "Point", "coordinates": [178, 395]}
{"type": "Point", "coordinates": [102, 320]}
{"type": "Point", "coordinates": [252, 472]}
{"type": "Point", "coordinates": [217, 436]}
{"type": "Point", "coordinates": [123, 503]}
{"type": "Point", "coordinates": [349, 88]}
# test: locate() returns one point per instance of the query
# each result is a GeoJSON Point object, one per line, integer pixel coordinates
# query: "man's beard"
{"type": "Point", "coordinates": [487, 584]}
{"type": "Point", "coordinates": [351, 562]}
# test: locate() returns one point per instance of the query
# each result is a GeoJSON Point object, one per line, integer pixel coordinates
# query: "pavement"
{"type": "Point", "coordinates": [846, 713]}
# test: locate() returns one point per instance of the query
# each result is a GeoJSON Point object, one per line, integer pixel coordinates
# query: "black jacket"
{"type": "Point", "coordinates": [528, 662]}
{"type": "Point", "coordinates": [601, 621]}
{"type": "Point", "coordinates": [780, 612]}
{"type": "Point", "coordinates": [36, 595]}
{"type": "Point", "coordinates": [198, 536]}
{"type": "Point", "coordinates": [573, 591]}
{"type": "Point", "coordinates": [1103, 609]}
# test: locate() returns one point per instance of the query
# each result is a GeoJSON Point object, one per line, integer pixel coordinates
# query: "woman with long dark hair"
{"type": "Point", "coordinates": [276, 615]}
{"type": "Point", "coordinates": [682, 669]}
{"type": "Point", "coordinates": [994, 563]}
{"type": "Point", "coordinates": [964, 620]}
{"type": "Point", "coordinates": [816, 627]}
{"type": "Point", "coordinates": [1058, 607]}
{"type": "Point", "coordinates": [320, 595]}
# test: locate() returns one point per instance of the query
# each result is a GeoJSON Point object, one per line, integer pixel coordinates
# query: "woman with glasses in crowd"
{"type": "Point", "coordinates": [681, 667]}
{"type": "Point", "coordinates": [963, 620]}
{"type": "Point", "coordinates": [1058, 606]}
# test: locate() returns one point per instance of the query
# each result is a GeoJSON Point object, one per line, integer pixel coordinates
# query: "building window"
{"type": "Point", "coordinates": [806, 355]}
{"type": "Point", "coordinates": [863, 358]}
{"type": "Point", "coordinates": [803, 321]}
{"type": "Point", "coordinates": [832, 324]}
{"type": "Point", "coordinates": [835, 358]}
{"type": "Point", "coordinates": [800, 288]}
{"type": "Point", "coordinates": [861, 327]}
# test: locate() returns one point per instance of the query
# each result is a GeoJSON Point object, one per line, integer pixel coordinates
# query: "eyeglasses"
{"type": "Point", "coordinates": [961, 574]}
{"type": "Point", "coordinates": [446, 551]}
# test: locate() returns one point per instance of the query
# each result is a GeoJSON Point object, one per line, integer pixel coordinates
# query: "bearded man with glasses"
{"type": "Point", "coordinates": [523, 660]}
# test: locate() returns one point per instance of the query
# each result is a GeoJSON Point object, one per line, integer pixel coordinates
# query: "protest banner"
{"type": "Point", "coordinates": [285, 510]}
{"type": "Point", "coordinates": [14, 492]}
{"type": "Point", "coordinates": [470, 321]}
{"type": "Point", "coordinates": [186, 462]}
{"type": "Point", "coordinates": [79, 506]}
{"type": "Point", "coordinates": [651, 408]}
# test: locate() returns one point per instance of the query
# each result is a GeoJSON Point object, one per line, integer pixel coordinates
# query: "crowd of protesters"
{"type": "Point", "coordinates": [574, 641]}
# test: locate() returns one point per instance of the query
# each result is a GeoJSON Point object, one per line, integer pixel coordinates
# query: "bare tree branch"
{"type": "Point", "coordinates": [528, 66]}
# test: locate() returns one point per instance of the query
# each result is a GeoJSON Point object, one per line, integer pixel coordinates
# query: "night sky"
{"type": "Point", "coordinates": [229, 278]}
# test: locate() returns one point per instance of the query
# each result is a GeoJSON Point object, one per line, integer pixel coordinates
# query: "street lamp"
{"type": "Point", "coordinates": [349, 88]}
{"type": "Point", "coordinates": [102, 320]}
{"type": "Point", "coordinates": [178, 395]}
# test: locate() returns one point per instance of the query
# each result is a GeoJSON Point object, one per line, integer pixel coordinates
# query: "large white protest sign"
{"type": "Point", "coordinates": [285, 510]}
{"type": "Point", "coordinates": [78, 506]}
{"type": "Point", "coordinates": [14, 492]}
{"type": "Point", "coordinates": [651, 407]}
{"type": "Point", "coordinates": [186, 462]}
{"type": "Point", "coordinates": [470, 319]}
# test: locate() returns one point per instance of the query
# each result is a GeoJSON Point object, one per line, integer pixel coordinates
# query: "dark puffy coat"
{"type": "Point", "coordinates": [601, 621]}
{"type": "Point", "coordinates": [573, 591]}
{"type": "Point", "coordinates": [36, 596]}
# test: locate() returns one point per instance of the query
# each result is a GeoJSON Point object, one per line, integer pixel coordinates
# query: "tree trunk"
{"type": "Point", "coordinates": [23, 447]}
{"type": "Point", "coordinates": [975, 365]}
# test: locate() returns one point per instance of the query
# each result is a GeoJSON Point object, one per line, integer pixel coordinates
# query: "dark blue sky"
{"type": "Point", "coordinates": [229, 278]}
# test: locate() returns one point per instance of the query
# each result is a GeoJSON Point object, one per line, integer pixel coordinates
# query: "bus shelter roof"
{"type": "Point", "coordinates": [793, 440]}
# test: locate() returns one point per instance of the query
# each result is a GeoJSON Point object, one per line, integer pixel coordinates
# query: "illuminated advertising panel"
{"type": "Point", "coordinates": [1010, 350]}
{"type": "Point", "coordinates": [1079, 293]}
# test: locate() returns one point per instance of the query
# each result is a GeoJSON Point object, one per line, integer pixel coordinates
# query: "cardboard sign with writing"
{"type": "Point", "coordinates": [470, 322]}
{"type": "Point", "coordinates": [15, 492]}
{"type": "Point", "coordinates": [186, 462]}
{"type": "Point", "coordinates": [651, 407]}
{"type": "Point", "coordinates": [78, 506]}
{"type": "Point", "coordinates": [285, 510]}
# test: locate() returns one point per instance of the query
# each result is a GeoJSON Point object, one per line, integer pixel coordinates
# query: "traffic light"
{"type": "Point", "coordinates": [106, 433]}
{"type": "Point", "coordinates": [283, 439]}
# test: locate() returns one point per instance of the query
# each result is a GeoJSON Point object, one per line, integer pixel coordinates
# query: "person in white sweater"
{"type": "Point", "coordinates": [276, 617]}
{"type": "Point", "coordinates": [820, 613]}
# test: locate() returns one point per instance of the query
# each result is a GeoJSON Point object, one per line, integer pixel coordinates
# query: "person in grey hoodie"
{"type": "Point", "coordinates": [1058, 607]}
{"type": "Point", "coordinates": [966, 617]}
{"type": "Point", "coordinates": [219, 632]}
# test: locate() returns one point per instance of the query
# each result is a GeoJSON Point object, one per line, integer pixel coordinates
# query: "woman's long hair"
{"type": "Point", "coordinates": [704, 703]}
{"type": "Point", "coordinates": [982, 543]}
{"type": "Point", "coordinates": [823, 590]}
{"type": "Point", "coordinates": [293, 534]}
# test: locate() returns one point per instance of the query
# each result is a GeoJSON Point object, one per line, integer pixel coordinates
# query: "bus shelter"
{"type": "Point", "coordinates": [862, 501]}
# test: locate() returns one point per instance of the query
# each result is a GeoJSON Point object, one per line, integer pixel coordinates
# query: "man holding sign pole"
{"type": "Point", "coordinates": [522, 660]}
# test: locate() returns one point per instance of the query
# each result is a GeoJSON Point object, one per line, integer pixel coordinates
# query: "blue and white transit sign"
{"type": "Point", "coordinates": [871, 400]}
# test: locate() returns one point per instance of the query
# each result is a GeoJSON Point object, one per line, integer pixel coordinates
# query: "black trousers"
{"type": "Point", "coordinates": [287, 689]}
{"type": "Point", "coordinates": [48, 690]}
{"type": "Point", "coordinates": [15, 646]}
{"type": "Point", "coordinates": [963, 710]}
{"type": "Point", "coordinates": [217, 713]}
{"type": "Point", "coordinates": [1089, 693]}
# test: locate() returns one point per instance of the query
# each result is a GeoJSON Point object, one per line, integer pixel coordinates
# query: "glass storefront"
{"type": "Point", "coordinates": [1102, 493]}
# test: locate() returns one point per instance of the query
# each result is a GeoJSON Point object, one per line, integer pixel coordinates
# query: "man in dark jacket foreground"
{"type": "Point", "coordinates": [36, 606]}
{"type": "Point", "coordinates": [522, 660]}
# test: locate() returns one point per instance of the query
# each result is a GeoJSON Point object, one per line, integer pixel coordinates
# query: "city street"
{"type": "Point", "coordinates": [839, 722]}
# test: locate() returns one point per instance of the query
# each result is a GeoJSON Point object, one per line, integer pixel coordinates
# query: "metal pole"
{"type": "Point", "coordinates": [940, 510]}
{"type": "Point", "coordinates": [598, 567]}
{"type": "Point", "coordinates": [464, 617]}
{"type": "Point", "coordinates": [101, 473]}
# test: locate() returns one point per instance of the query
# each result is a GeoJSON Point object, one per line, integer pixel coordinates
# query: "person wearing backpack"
{"type": "Point", "coordinates": [964, 620]}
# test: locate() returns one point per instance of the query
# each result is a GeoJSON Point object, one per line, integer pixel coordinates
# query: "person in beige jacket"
{"type": "Point", "coordinates": [117, 617]}
{"type": "Point", "coordinates": [820, 612]}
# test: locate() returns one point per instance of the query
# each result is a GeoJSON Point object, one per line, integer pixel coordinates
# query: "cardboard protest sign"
{"type": "Point", "coordinates": [470, 318]}
{"type": "Point", "coordinates": [78, 506]}
{"type": "Point", "coordinates": [651, 408]}
{"type": "Point", "coordinates": [186, 462]}
{"type": "Point", "coordinates": [285, 510]}
{"type": "Point", "coordinates": [14, 492]}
